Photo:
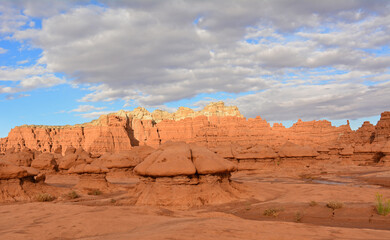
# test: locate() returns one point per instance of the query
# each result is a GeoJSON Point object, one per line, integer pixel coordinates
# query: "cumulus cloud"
{"type": "Point", "coordinates": [94, 115]}
{"type": "Point", "coordinates": [28, 78]}
{"type": "Point", "coordinates": [2, 50]}
{"type": "Point", "coordinates": [86, 108]}
{"type": "Point", "coordinates": [15, 96]}
{"type": "Point", "coordinates": [290, 56]}
{"type": "Point", "coordinates": [310, 102]}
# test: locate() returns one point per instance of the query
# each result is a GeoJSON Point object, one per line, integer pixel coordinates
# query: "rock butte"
{"type": "Point", "coordinates": [215, 125]}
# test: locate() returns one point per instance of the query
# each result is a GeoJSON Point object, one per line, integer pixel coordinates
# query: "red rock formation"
{"type": "Point", "coordinates": [186, 175]}
{"type": "Point", "coordinates": [382, 128]}
{"type": "Point", "coordinates": [17, 183]}
{"type": "Point", "coordinates": [215, 126]}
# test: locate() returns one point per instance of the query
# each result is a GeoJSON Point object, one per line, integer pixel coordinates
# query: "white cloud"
{"type": "Point", "coordinates": [17, 74]}
{"type": "Point", "coordinates": [86, 108]}
{"type": "Point", "coordinates": [2, 50]}
{"type": "Point", "coordinates": [15, 96]}
{"type": "Point", "coordinates": [28, 78]}
{"type": "Point", "coordinates": [22, 62]}
{"type": "Point", "coordinates": [46, 80]}
{"type": "Point", "coordinates": [310, 102]}
{"type": "Point", "coordinates": [94, 115]}
{"type": "Point", "coordinates": [296, 55]}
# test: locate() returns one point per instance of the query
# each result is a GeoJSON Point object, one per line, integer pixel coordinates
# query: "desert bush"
{"type": "Point", "coordinates": [313, 203]}
{"type": "Point", "coordinates": [382, 205]}
{"type": "Point", "coordinates": [298, 216]}
{"type": "Point", "coordinates": [44, 197]}
{"type": "Point", "coordinates": [272, 212]}
{"type": "Point", "coordinates": [95, 192]}
{"type": "Point", "coordinates": [72, 195]}
{"type": "Point", "coordinates": [334, 205]}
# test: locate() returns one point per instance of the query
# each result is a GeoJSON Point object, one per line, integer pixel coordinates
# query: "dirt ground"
{"type": "Point", "coordinates": [282, 202]}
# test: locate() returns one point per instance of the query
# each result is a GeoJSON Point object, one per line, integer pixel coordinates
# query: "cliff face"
{"type": "Point", "coordinates": [213, 126]}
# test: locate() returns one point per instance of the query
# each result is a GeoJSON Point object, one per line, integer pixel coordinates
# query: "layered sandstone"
{"type": "Point", "coordinates": [215, 126]}
{"type": "Point", "coordinates": [185, 175]}
{"type": "Point", "coordinates": [17, 183]}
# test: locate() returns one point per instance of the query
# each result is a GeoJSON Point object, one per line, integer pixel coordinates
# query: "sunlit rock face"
{"type": "Point", "coordinates": [215, 126]}
{"type": "Point", "coordinates": [187, 175]}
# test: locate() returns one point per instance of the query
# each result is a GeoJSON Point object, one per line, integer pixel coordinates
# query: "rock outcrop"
{"type": "Point", "coordinates": [218, 127]}
{"type": "Point", "coordinates": [215, 125]}
{"type": "Point", "coordinates": [17, 183]}
{"type": "Point", "coordinates": [184, 175]}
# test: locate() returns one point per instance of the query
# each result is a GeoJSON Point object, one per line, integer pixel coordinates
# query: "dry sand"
{"type": "Point", "coordinates": [297, 195]}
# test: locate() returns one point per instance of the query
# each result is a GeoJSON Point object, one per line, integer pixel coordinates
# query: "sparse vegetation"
{"type": "Point", "coordinates": [247, 206]}
{"type": "Point", "coordinates": [272, 212]}
{"type": "Point", "coordinates": [334, 205]}
{"type": "Point", "coordinates": [95, 192]}
{"type": "Point", "coordinates": [313, 203]}
{"type": "Point", "coordinates": [72, 195]}
{"type": "Point", "coordinates": [113, 200]}
{"type": "Point", "coordinates": [44, 197]}
{"type": "Point", "coordinates": [298, 216]}
{"type": "Point", "coordinates": [382, 205]}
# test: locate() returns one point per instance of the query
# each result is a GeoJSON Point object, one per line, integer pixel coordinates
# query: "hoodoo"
{"type": "Point", "coordinates": [185, 174]}
{"type": "Point", "coordinates": [20, 183]}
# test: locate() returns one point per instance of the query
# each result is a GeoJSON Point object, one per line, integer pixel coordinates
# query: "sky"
{"type": "Point", "coordinates": [67, 62]}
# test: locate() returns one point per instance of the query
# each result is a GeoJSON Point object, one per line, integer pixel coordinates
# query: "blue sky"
{"type": "Point", "coordinates": [67, 62]}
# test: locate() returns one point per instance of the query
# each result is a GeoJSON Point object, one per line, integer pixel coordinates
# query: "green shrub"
{"type": "Point", "coordinates": [298, 216]}
{"type": "Point", "coordinates": [45, 197]}
{"type": "Point", "coordinates": [72, 195]}
{"type": "Point", "coordinates": [382, 205]}
{"type": "Point", "coordinates": [95, 192]}
{"type": "Point", "coordinates": [272, 212]}
{"type": "Point", "coordinates": [334, 205]}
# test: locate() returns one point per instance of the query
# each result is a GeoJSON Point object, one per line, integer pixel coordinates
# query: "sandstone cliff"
{"type": "Point", "coordinates": [213, 126]}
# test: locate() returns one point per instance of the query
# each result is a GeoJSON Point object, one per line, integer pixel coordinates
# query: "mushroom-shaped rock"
{"type": "Point", "coordinates": [186, 175]}
{"type": "Point", "coordinates": [123, 159]}
{"type": "Point", "coordinates": [9, 170]}
{"type": "Point", "coordinates": [22, 158]}
{"type": "Point", "coordinates": [253, 157]}
{"type": "Point", "coordinates": [91, 177]}
{"type": "Point", "coordinates": [207, 162]}
{"type": "Point", "coordinates": [19, 183]}
{"type": "Point", "coordinates": [73, 159]}
{"type": "Point", "coordinates": [44, 161]}
{"type": "Point", "coordinates": [169, 160]}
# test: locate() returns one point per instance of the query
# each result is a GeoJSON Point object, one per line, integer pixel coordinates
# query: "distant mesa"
{"type": "Point", "coordinates": [215, 125]}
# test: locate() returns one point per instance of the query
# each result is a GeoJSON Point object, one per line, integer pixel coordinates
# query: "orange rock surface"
{"type": "Point", "coordinates": [184, 174]}
{"type": "Point", "coordinates": [215, 125]}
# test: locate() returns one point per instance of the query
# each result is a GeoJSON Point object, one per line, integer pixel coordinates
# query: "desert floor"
{"type": "Point", "coordinates": [280, 202]}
